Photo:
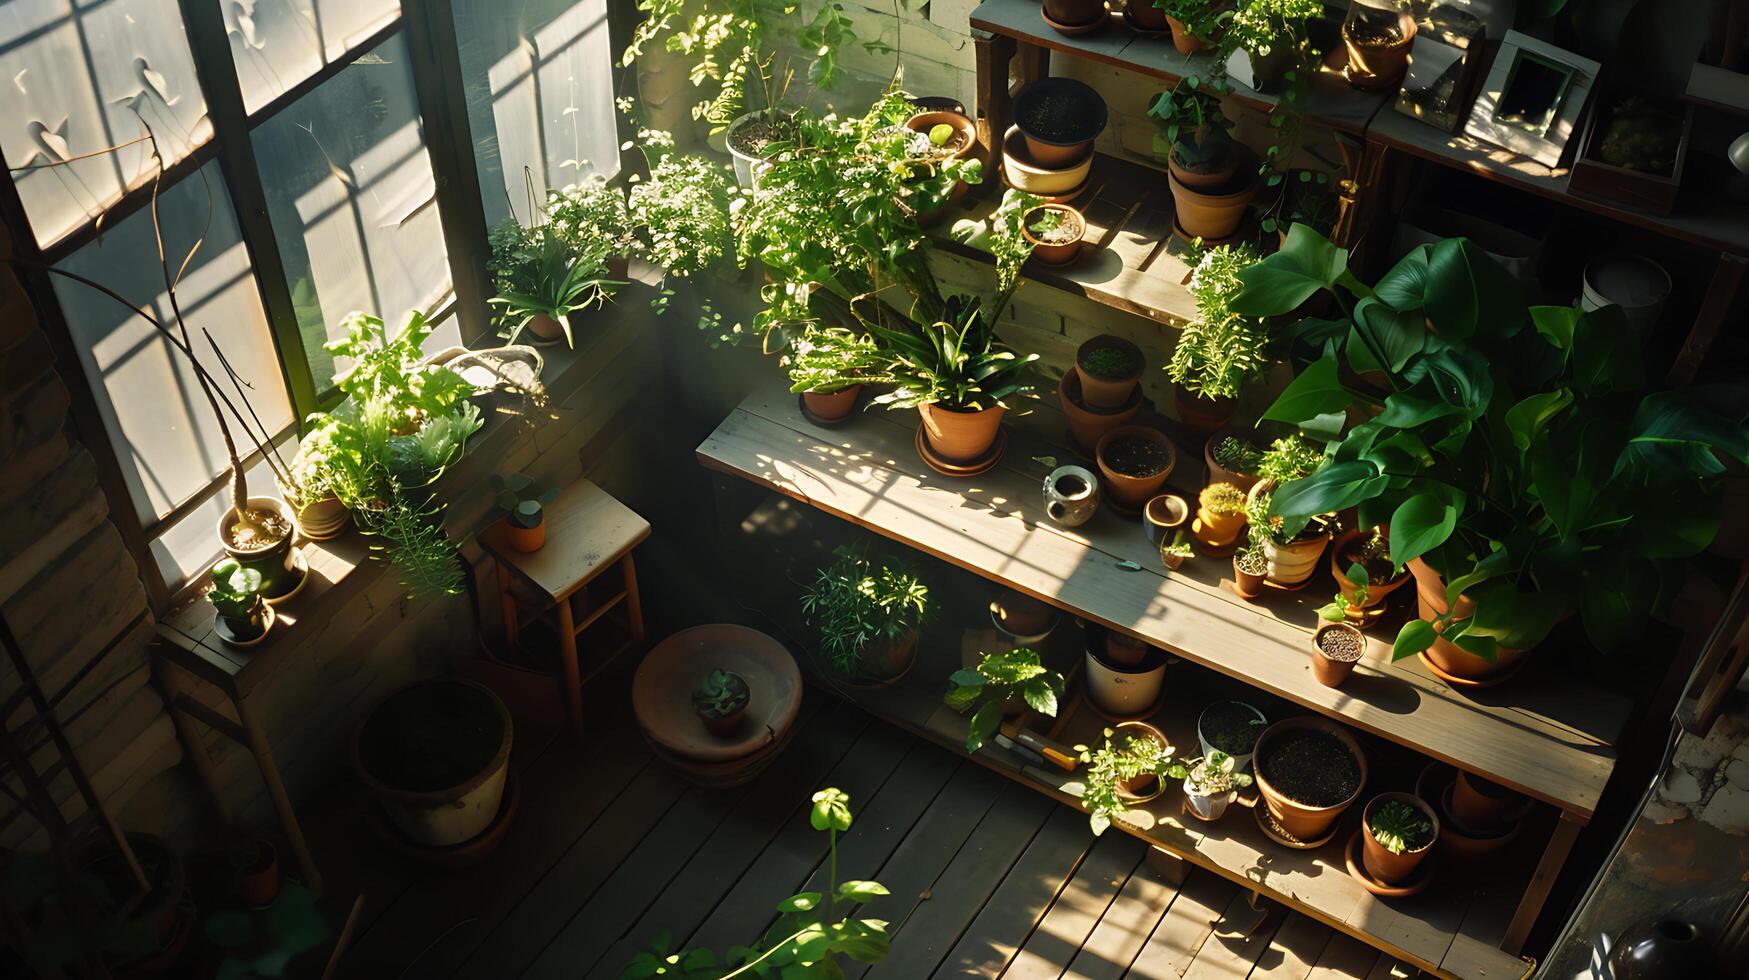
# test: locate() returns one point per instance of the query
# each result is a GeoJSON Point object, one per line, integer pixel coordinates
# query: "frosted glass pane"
{"type": "Point", "coordinates": [539, 85]}
{"type": "Point", "coordinates": [353, 203]}
{"type": "Point", "coordinates": [77, 78]}
{"type": "Point", "coordinates": [164, 434]}
{"type": "Point", "coordinates": [278, 43]}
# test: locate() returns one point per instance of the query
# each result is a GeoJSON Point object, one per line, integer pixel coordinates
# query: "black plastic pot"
{"type": "Point", "coordinates": [1059, 118]}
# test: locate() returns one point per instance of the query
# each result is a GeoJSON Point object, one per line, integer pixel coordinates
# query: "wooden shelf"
{"type": "Point", "coordinates": [1454, 929]}
{"type": "Point", "coordinates": [1550, 740]}
{"type": "Point", "coordinates": [1129, 259]}
{"type": "Point", "coordinates": [1332, 103]}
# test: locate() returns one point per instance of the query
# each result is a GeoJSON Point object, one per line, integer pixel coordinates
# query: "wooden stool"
{"type": "Point", "coordinates": [587, 532]}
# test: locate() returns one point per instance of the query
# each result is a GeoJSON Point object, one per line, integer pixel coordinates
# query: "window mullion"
{"type": "Point", "coordinates": [211, 48]}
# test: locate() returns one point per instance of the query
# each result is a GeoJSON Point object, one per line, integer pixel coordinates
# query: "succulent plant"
{"type": "Point", "coordinates": [521, 500]}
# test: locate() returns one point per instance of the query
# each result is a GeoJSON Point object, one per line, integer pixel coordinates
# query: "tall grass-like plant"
{"type": "Point", "coordinates": [854, 603]}
{"type": "Point", "coordinates": [562, 282]}
{"type": "Point", "coordinates": [1219, 352]}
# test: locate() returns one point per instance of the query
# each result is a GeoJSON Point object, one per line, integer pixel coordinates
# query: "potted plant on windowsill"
{"type": "Point", "coordinates": [720, 698]}
{"type": "Point", "coordinates": [592, 214]}
{"type": "Point", "coordinates": [1002, 685]}
{"type": "Point", "coordinates": [828, 367]}
{"type": "Point", "coordinates": [524, 507]}
{"type": "Point", "coordinates": [244, 618]}
{"type": "Point", "coordinates": [1219, 352]}
{"type": "Point", "coordinates": [1400, 830]}
{"type": "Point", "coordinates": [1211, 783]}
{"type": "Point", "coordinates": [868, 617]}
{"type": "Point", "coordinates": [319, 513]}
{"type": "Point", "coordinates": [1506, 511]}
{"type": "Point", "coordinates": [1130, 768]}
{"type": "Point", "coordinates": [562, 282]}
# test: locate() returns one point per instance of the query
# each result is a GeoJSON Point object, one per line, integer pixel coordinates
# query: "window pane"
{"type": "Point", "coordinates": [165, 436]}
{"type": "Point", "coordinates": [352, 201]}
{"type": "Point", "coordinates": [75, 78]}
{"type": "Point", "coordinates": [278, 43]}
{"type": "Point", "coordinates": [540, 95]}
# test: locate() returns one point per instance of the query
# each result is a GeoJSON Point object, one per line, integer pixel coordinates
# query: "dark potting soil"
{"type": "Point", "coordinates": [1137, 456]}
{"type": "Point", "coordinates": [752, 137]}
{"type": "Point", "coordinates": [1071, 486]}
{"type": "Point", "coordinates": [1310, 768]}
{"type": "Point", "coordinates": [1231, 727]}
{"type": "Point", "coordinates": [1377, 31]}
{"type": "Point", "coordinates": [431, 737]}
{"type": "Point", "coordinates": [1059, 118]}
{"type": "Point", "coordinates": [1340, 645]}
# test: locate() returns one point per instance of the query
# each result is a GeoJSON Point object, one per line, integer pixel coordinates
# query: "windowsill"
{"type": "Point", "coordinates": [344, 566]}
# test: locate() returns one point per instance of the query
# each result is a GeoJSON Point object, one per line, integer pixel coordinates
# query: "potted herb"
{"type": "Point", "coordinates": [1309, 770]}
{"type": "Point", "coordinates": [1336, 648]}
{"type": "Point", "coordinates": [1211, 783]}
{"type": "Point", "coordinates": [563, 282]}
{"type": "Point", "coordinates": [1193, 137]}
{"type": "Point", "coordinates": [593, 215]}
{"type": "Point", "coordinates": [1291, 457]}
{"type": "Point", "coordinates": [1134, 462]}
{"type": "Point", "coordinates": [1351, 600]}
{"type": "Point", "coordinates": [720, 698]}
{"type": "Point", "coordinates": [1124, 675]}
{"type": "Point", "coordinates": [1194, 23]}
{"type": "Point", "coordinates": [828, 367]}
{"type": "Point", "coordinates": [939, 136]}
{"type": "Point", "coordinates": [1003, 684]}
{"type": "Point", "coordinates": [1510, 525]}
{"type": "Point", "coordinates": [1231, 728]}
{"type": "Point", "coordinates": [1250, 571]}
{"type": "Point", "coordinates": [436, 754]}
{"type": "Point", "coordinates": [1176, 552]}
{"type": "Point", "coordinates": [1231, 459]}
{"type": "Point", "coordinates": [1220, 516]}
{"type": "Point", "coordinates": [868, 617]}
{"type": "Point", "coordinates": [1380, 576]}
{"type": "Point", "coordinates": [1291, 546]}
{"type": "Point", "coordinates": [1055, 232]}
{"type": "Point", "coordinates": [1400, 832]}
{"type": "Point", "coordinates": [316, 507]}
{"type": "Point", "coordinates": [1219, 352]}
{"type": "Point", "coordinates": [524, 507]}
{"type": "Point", "coordinates": [243, 616]}
{"type": "Point", "coordinates": [1109, 369]}
{"type": "Point", "coordinates": [1377, 34]}
{"type": "Point", "coordinates": [1266, 41]}
{"type": "Point", "coordinates": [1059, 117]}
{"type": "Point", "coordinates": [1128, 769]}
{"type": "Point", "coordinates": [958, 378]}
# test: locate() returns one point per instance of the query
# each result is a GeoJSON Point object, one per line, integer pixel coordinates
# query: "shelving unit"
{"type": "Point", "coordinates": [1552, 742]}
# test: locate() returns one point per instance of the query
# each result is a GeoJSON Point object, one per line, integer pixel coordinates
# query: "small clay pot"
{"type": "Point", "coordinates": [1214, 214]}
{"type": "Point", "coordinates": [1376, 67]}
{"type": "Point", "coordinates": [526, 539]}
{"type": "Point", "coordinates": [1217, 472]}
{"type": "Point", "coordinates": [833, 407]}
{"type": "Point", "coordinates": [1145, 787]}
{"type": "Point", "coordinates": [960, 436]}
{"type": "Point", "coordinates": [1329, 671]}
{"type": "Point", "coordinates": [1484, 804]}
{"type": "Point", "coordinates": [1201, 415]}
{"type": "Point", "coordinates": [1183, 40]}
{"type": "Point", "coordinates": [1088, 425]}
{"type": "Point", "coordinates": [1055, 253]}
{"type": "Point", "coordinates": [1108, 394]}
{"type": "Point", "coordinates": [1123, 650]}
{"type": "Point", "coordinates": [1219, 174]}
{"type": "Point", "coordinates": [544, 330]}
{"type": "Point", "coordinates": [1307, 823]}
{"type": "Point", "coordinates": [1385, 867]}
{"type": "Point", "coordinates": [1144, 16]}
{"type": "Point", "coordinates": [1248, 584]}
{"type": "Point", "coordinates": [1073, 14]}
{"type": "Point", "coordinates": [1129, 491]}
{"type": "Point", "coordinates": [1375, 591]}
{"type": "Point", "coordinates": [258, 881]}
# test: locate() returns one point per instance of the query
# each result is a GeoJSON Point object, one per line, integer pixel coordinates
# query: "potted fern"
{"type": "Point", "coordinates": [868, 616]}
{"type": "Point", "coordinates": [1219, 352]}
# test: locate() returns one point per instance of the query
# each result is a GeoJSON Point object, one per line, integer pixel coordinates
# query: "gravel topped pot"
{"type": "Point", "coordinates": [1309, 770]}
{"type": "Point", "coordinates": [1055, 241]}
{"type": "Point", "coordinates": [1336, 648]}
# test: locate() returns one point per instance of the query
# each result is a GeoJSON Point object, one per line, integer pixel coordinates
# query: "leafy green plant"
{"type": "Point", "coordinates": [853, 603]}
{"type": "Point", "coordinates": [521, 500]}
{"type": "Point", "coordinates": [1264, 524]}
{"type": "Point", "coordinates": [810, 938]}
{"type": "Point", "coordinates": [1301, 197]}
{"type": "Point", "coordinates": [960, 367]}
{"type": "Point", "coordinates": [236, 591]}
{"type": "Point", "coordinates": [826, 360]}
{"type": "Point", "coordinates": [1237, 455]}
{"type": "Point", "coordinates": [720, 694]}
{"type": "Point", "coordinates": [592, 215]}
{"type": "Point", "coordinates": [1251, 560]}
{"type": "Point", "coordinates": [1513, 448]}
{"type": "Point", "coordinates": [1179, 547]}
{"type": "Point", "coordinates": [999, 678]}
{"type": "Point", "coordinates": [1400, 828]}
{"type": "Point", "coordinates": [680, 211]}
{"type": "Point", "coordinates": [1258, 26]}
{"type": "Point", "coordinates": [1289, 458]}
{"type": "Point", "coordinates": [1211, 775]}
{"type": "Point", "coordinates": [562, 282]}
{"type": "Point", "coordinates": [1114, 763]}
{"type": "Point", "coordinates": [1203, 18]}
{"type": "Point", "coordinates": [1340, 606]}
{"type": "Point", "coordinates": [1191, 127]}
{"type": "Point", "coordinates": [1219, 352]}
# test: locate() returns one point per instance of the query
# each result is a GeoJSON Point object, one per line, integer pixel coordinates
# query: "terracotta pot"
{"type": "Point", "coordinates": [1122, 650]}
{"type": "Point", "coordinates": [1394, 869]}
{"type": "Point", "coordinates": [1133, 491]}
{"type": "Point", "coordinates": [1062, 149]}
{"type": "Point", "coordinates": [1375, 591]}
{"type": "Point", "coordinates": [258, 884]}
{"type": "Point", "coordinates": [1483, 804]}
{"type": "Point", "coordinates": [278, 576]}
{"type": "Point", "coordinates": [1213, 214]}
{"type": "Point", "coordinates": [885, 661]}
{"type": "Point", "coordinates": [1203, 180]}
{"type": "Point", "coordinates": [1145, 787]}
{"type": "Point", "coordinates": [1023, 174]}
{"type": "Point", "coordinates": [1330, 672]}
{"type": "Point", "coordinates": [726, 725]}
{"type": "Point", "coordinates": [1086, 425]}
{"type": "Point", "coordinates": [1074, 13]}
{"type": "Point", "coordinates": [1055, 253]}
{"type": "Point", "coordinates": [1305, 822]}
{"type": "Point", "coordinates": [1447, 656]}
{"type": "Point", "coordinates": [1144, 16]}
{"type": "Point", "coordinates": [1248, 583]}
{"type": "Point", "coordinates": [526, 539]}
{"type": "Point", "coordinates": [1103, 394]}
{"type": "Point", "coordinates": [960, 436]}
{"type": "Point", "coordinates": [544, 329]}
{"type": "Point", "coordinates": [1217, 472]}
{"type": "Point", "coordinates": [1379, 67]}
{"type": "Point", "coordinates": [1205, 415]}
{"type": "Point", "coordinates": [1162, 516]}
{"type": "Point", "coordinates": [430, 815]}
{"type": "Point", "coordinates": [1021, 614]}
{"type": "Point", "coordinates": [923, 122]}
{"type": "Point", "coordinates": [834, 407]}
{"type": "Point", "coordinates": [1183, 40]}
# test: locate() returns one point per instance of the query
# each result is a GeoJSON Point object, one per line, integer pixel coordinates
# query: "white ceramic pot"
{"type": "Point", "coordinates": [1208, 807]}
{"type": "Point", "coordinates": [1124, 692]}
{"type": "Point", "coordinates": [1023, 174]}
{"type": "Point", "coordinates": [1633, 282]}
{"type": "Point", "coordinates": [1240, 762]}
{"type": "Point", "coordinates": [744, 164]}
{"type": "Point", "coordinates": [1071, 495]}
{"type": "Point", "coordinates": [451, 815]}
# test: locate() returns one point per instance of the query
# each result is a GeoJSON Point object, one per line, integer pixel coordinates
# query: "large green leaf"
{"type": "Point", "coordinates": [1330, 488]}
{"type": "Point", "coordinates": [1408, 409]}
{"type": "Point", "coordinates": [1616, 599]}
{"type": "Point", "coordinates": [1513, 618]}
{"type": "Point", "coordinates": [1605, 355]}
{"type": "Point", "coordinates": [1467, 292]}
{"type": "Point", "coordinates": [1527, 418]}
{"type": "Point", "coordinates": [1306, 263]}
{"type": "Point", "coordinates": [1422, 523]}
{"type": "Point", "coordinates": [1672, 438]}
{"type": "Point", "coordinates": [1316, 391]}
{"type": "Point", "coordinates": [1041, 696]}
{"type": "Point", "coordinates": [1404, 287]}
{"type": "Point", "coordinates": [1391, 336]}
{"type": "Point", "coordinates": [984, 723]}
{"type": "Point", "coordinates": [1415, 636]}
{"type": "Point", "coordinates": [1556, 324]}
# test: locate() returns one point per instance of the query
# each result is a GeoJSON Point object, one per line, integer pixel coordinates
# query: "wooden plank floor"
{"type": "Point", "coordinates": [988, 878]}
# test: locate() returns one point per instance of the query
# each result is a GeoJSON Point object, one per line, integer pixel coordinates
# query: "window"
{"type": "Point", "coordinates": [300, 150]}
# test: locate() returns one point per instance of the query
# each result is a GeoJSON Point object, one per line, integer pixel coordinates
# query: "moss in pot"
{"type": "Point", "coordinates": [1109, 368]}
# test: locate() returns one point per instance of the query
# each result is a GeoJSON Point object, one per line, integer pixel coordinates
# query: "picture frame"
{"type": "Point", "coordinates": [1533, 99]}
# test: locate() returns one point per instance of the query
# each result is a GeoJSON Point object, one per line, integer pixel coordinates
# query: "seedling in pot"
{"type": "Point", "coordinates": [1400, 831]}
{"type": "Point", "coordinates": [236, 594]}
{"type": "Point", "coordinates": [721, 699]}
{"type": "Point", "coordinates": [1003, 681]}
{"type": "Point", "coordinates": [1400, 828]}
{"type": "Point", "coordinates": [1177, 551]}
{"type": "Point", "coordinates": [1210, 783]}
{"type": "Point", "coordinates": [522, 501]}
{"type": "Point", "coordinates": [1341, 608]}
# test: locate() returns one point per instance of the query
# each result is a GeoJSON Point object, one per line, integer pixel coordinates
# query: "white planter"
{"type": "Point", "coordinates": [1633, 282]}
{"type": "Point", "coordinates": [744, 164]}
{"type": "Point", "coordinates": [1208, 807]}
{"type": "Point", "coordinates": [1240, 762]}
{"type": "Point", "coordinates": [1125, 692]}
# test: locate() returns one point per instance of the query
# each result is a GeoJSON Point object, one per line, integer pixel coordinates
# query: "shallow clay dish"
{"type": "Point", "coordinates": [662, 691]}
